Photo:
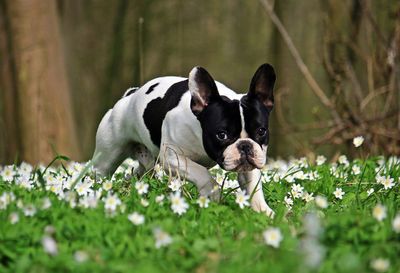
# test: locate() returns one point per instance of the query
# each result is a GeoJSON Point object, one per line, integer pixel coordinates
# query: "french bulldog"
{"type": "Point", "coordinates": [189, 125]}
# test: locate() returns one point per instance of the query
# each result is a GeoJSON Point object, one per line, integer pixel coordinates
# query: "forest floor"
{"type": "Point", "coordinates": [329, 217]}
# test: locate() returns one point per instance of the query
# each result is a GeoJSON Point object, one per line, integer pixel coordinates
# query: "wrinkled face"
{"type": "Point", "coordinates": [235, 133]}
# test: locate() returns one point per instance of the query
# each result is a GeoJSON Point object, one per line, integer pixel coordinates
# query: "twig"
{"type": "Point", "coordinates": [299, 61]}
{"type": "Point", "coordinates": [382, 90]}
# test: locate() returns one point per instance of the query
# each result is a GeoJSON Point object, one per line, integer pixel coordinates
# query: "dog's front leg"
{"type": "Point", "coordinates": [187, 169]}
{"type": "Point", "coordinates": [251, 182]}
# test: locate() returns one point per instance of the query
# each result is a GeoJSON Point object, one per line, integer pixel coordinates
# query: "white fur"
{"type": "Point", "coordinates": [243, 133]}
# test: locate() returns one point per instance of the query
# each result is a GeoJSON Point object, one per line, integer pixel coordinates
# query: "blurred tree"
{"type": "Point", "coordinates": [34, 83]}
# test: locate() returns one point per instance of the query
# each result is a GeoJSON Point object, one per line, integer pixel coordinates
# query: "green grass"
{"type": "Point", "coordinates": [220, 238]}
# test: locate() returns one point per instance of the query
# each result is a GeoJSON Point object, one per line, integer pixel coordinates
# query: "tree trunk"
{"type": "Point", "coordinates": [8, 107]}
{"type": "Point", "coordinates": [43, 109]}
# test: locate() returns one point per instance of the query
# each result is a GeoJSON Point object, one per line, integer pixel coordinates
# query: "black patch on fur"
{"type": "Point", "coordinates": [151, 88]}
{"type": "Point", "coordinates": [157, 109]}
{"type": "Point", "coordinates": [222, 114]}
{"type": "Point", "coordinates": [256, 116]}
{"type": "Point", "coordinates": [131, 91]}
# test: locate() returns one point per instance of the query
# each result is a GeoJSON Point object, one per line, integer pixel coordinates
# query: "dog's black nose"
{"type": "Point", "coordinates": [245, 147]}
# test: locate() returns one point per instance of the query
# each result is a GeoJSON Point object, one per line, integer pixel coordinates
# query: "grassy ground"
{"type": "Point", "coordinates": [52, 220]}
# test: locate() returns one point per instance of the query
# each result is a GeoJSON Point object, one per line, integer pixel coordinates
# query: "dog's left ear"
{"type": "Point", "coordinates": [203, 89]}
{"type": "Point", "coordinates": [262, 85]}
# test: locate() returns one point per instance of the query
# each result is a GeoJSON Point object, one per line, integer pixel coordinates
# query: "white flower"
{"type": "Point", "coordinates": [141, 187]}
{"type": "Point", "coordinates": [49, 230]}
{"type": "Point", "coordinates": [54, 185]}
{"type": "Point", "coordinates": [159, 172]}
{"type": "Point", "coordinates": [4, 201]}
{"type": "Point", "coordinates": [386, 181]}
{"type": "Point", "coordinates": [300, 175]}
{"type": "Point", "coordinates": [370, 191]}
{"type": "Point", "coordinates": [29, 210]}
{"type": "Point", "coordinates": [144, 202]}
{"type": "Point", "coordinates": [91, 200]}
{"type": "Point", "coordinates": [107, 185]}
{"type": "Point", "coordinates": [178, 204]}
{"type": "Point", "coordinates": [8, 173]}
{"type": "Point", "coordinates": [380, 265]}
{"type": "Point", "coordinates": [49, 245]}
{"type": "Point", "coordinates": [379, 212]}
{"type": "Point", "coordinates": [49, 178]}
{"type": "Point", "coordinates": [312, 225]}
{"type": "Point", "coordinates": [67, 182]}
{"type": "Point", "coordinates": [111, 202]}
{"type": "Point", "coordinates": [25, 169]}
{"type": "Point", "coordinates": [219, 178]}
{"type": "Point", "coordinates": [83, 187]}
{"type": "Point", "coordinates": [289, 178]}
{"type": "Point", "coordinates": [308, 197]}
{"type": "Point", "coordinates": [313, 175]}
{"type": "Point", "coordinates": [358, 141]}
{"type": "Point", "coordinates": [303, 162]}
{"type": "Point", "coordinates": [288, 201]}
{"type": "Point", "coordinates": [136, 218]}
{"type": "Point", "coordinates": [160, 198]}
{"type": "Point", "coordinates": [338, 193]}
{"type": "Point", "coordinates": [396, 223]}
{"type": "Point", "coordinates": [122, 208]}
{"type": "Point", "coordinates": [75, 167]}
{"type": "Point", "coordinates": [313, 252]}
{"type": "Point", "coordinates": [175, 184]}
{"type": "Point", "coordinates": [46, 203]}
{"type": "Point", "coordinates": [162, 238]}
{"type": "Point", "coordinates": [81, 256]}
{"type": "Point", "coordinates": [203, 201]}
{"type": "Point", "coordinates": [343, 160]}
{"type": "Point", "coordinates": [242, 198]}
{"type": "Point", "coordinates": [276, 177]}
{"type": "Point", "coordinates": [20, 204]}
{"type": "Point", "coordinates": [321, 201]}
{"type": "Point", "coordinates": [320, 160]}
{"type": "Point", "coordinates": [356, 169]}
{"type": "Point", "coordinates": [297, 191]}
{"type": "Point", "coordinates": [24, 182]}
{"type": "Point", "coordinates": [273, 237]}
{"type": "Point", "coordinates": [70, 197]}
{"type": "Point", "coordinates": [14, 218]}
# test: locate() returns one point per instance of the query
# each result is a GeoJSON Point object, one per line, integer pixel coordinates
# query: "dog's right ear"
{"type": "Point", "coordinates": [203, 89]}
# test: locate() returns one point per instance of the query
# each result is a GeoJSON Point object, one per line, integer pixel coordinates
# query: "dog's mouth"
{"type": "Point", "coordinates": [244, 164]}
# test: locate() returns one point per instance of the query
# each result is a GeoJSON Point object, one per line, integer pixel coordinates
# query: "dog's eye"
{"type": "Point", "coordinates": [222, 135]}
{"type": "Point", "coordinates": [261, 131]}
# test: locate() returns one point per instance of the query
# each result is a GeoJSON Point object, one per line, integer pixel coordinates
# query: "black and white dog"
{"type": "Point", "coordinates": [189, 125]}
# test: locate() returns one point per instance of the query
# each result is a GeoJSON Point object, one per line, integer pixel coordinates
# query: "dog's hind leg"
{"type": "Point", "coordinates": [107, 158]}
{"type": "Point", "coordinates": [110, 150]}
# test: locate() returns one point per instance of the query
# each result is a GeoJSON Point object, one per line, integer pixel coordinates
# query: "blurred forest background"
{"type": "Point", "coordinates": [64, 63]}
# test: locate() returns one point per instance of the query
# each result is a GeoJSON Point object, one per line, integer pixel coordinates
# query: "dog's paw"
{"type": "Point", "coordinates": [213, 192]}
{"type": "Point", "coordinates": [263, 207]}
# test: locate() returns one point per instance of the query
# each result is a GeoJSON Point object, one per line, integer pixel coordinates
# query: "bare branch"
{"type": "Point", "coordinates": [299, 61]}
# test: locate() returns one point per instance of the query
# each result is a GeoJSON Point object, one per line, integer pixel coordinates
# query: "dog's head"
{"type": "Point", "coordinates": [235, 133]}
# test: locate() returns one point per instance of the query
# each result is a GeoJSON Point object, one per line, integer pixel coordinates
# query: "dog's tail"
{"type": "Point", "coordinates": [130, 91]}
